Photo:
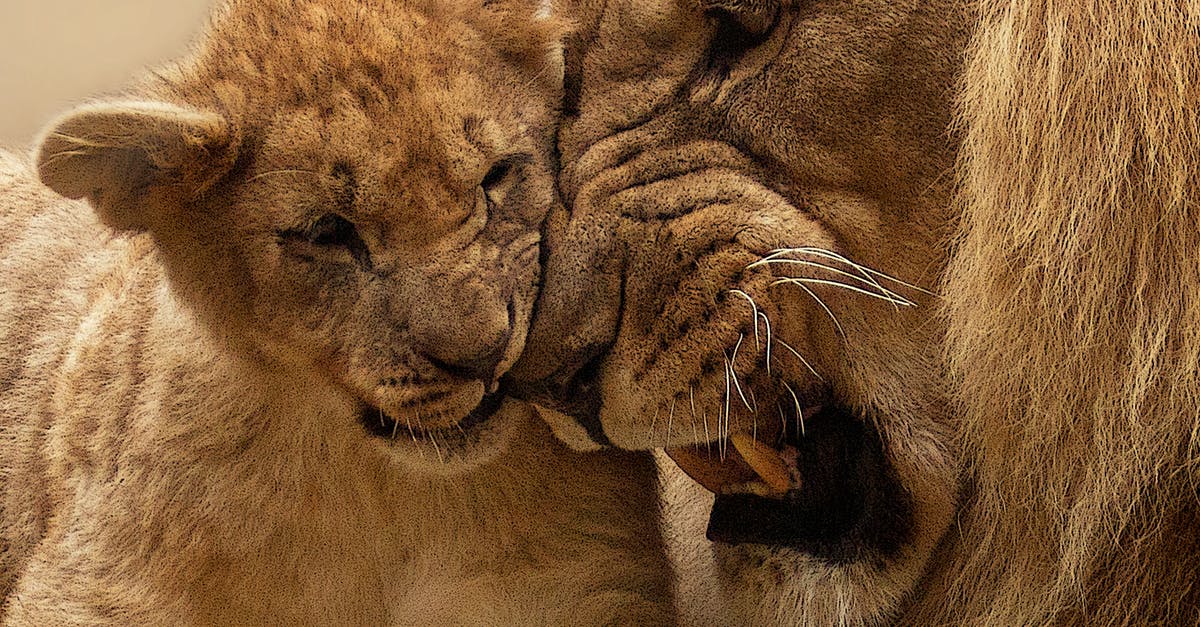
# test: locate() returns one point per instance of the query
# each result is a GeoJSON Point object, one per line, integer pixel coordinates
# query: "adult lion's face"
{"type": "Point", "coordinates": [757, 201]}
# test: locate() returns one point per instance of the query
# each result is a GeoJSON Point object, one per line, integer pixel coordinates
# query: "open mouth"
{"type": "Point", "coordinates": [820, 484]}
{"type": "Point", "coordinates": [382, 425]}
{"type": "Point", "coordinates": [764, 462]}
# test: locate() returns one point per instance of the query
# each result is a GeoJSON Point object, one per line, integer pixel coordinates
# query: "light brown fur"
{"type": "Point", "coordinates": [185, 401]}
{"type": "Point", "coordinates": [1044, 428]}
{"type": "Point", "coordinates": [1073, 317]}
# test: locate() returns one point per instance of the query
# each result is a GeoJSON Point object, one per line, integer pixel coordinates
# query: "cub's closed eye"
{"type": "Point", "coordinates": [332, 231]}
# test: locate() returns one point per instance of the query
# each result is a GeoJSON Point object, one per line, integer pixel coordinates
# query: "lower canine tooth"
{"type": "Point", "coordinates": [764, 460]}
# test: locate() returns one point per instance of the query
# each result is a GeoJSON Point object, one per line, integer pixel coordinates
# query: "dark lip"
{"type": "Point", "coordinates": [382, 425]}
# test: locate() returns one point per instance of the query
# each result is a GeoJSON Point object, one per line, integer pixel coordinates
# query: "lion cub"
{"type": "Point", "coordinates": [268, 393]}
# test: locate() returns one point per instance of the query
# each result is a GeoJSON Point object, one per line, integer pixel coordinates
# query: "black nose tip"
{"type": "Point", "coordinates": [482, 367]}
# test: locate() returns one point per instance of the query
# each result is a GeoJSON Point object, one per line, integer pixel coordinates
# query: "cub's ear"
{"type": "Point", "coordinates": [122, 156]}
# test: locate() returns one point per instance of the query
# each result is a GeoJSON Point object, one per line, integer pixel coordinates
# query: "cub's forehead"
{"type": "Point", "coordinates": [281, 51]}
{"type": "Point", "coordinates": [409, 79]}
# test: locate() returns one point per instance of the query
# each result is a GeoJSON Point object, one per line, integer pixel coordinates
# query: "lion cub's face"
{"type": "Point", "coordinates": [348, 189]}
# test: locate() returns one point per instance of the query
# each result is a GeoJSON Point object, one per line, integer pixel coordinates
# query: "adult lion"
{"type": "Point", "coordinates": [762, 197]}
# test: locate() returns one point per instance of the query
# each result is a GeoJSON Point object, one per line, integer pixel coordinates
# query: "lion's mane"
{"type": "Point", "coordinates": [1074, 315]}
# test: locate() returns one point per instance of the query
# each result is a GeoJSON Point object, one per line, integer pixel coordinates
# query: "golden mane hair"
{"type": "Point", "coordinates": [1074, 315]}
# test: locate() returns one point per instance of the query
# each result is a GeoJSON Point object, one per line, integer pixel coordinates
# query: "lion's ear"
{"type": "Point", "coordinates": [121, 155]}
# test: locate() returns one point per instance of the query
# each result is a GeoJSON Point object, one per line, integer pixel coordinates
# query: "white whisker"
{"type": "Point", "coordinates": [845, 286]}
{"type": "Point", "coordinates": [670, 419]}
{"type": "Point", "coordinates": [720, 435]}
{"type": "Point", "coordinates": [395, 424]}
{"type": "Point", "coordinates": [801, 358]}
{"type": "Point", "coordinates": [862, 277]}
{"type": "Point", "coordinates": [754, 312]}
{"type": "Point", "coordinates": [799, 412]}
{"type": "Point", "coordinates": [766, 321]}
{"type": "Point", "coordinates": [413, 435]}
{"type": "Point", "coordinates": [828, 312]}
{"type": "Point", "coordinates": [829, 254]}
{"type": "Point", "coordinates": [737, 383]}
{"type": "Point", "coordinates": [437, 449]}
{"type": "Point", "coordinates": [707, 434]}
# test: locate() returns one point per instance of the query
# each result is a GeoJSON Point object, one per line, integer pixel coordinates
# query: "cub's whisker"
{"type": "Point", "coordinates": [413, 435]}
{"type": "Point", "coordinates": [383, 423]}
{"type": "Point", "coordinates": [437, 449]}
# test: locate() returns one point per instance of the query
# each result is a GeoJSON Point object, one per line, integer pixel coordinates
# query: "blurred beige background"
{"type": "Point", "coordinates": [54, 53]}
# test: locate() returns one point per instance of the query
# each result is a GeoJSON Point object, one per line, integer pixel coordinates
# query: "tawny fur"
{"type": "Point", "coordinates": [1075, 329]}
{"type": "Point", "coordinates": [695, 146]}
{"type": "Point", "coordinates": [1067, 465]}
{"type": "Point", "coordinates": [180, 399]}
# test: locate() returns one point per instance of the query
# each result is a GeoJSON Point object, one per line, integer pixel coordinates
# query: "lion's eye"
{"type": "Point", "coordinates": [736, 35]}
{"type": "Point", "coordinates": [499, 177]}
{"type": "Point", "coordinates": [496, 175]}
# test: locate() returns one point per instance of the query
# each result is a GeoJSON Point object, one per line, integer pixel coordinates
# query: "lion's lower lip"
{"type": "Point", "coordinates": [382, 425]}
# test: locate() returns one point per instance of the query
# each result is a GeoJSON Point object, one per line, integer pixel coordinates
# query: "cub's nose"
{"type": "Point", "coordinates": [481, 366]}
{"type": "Point", "coordinates": [470, 345]}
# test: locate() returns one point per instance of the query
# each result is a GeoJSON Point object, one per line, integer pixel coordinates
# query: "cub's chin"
{"type": "Point", "coordinates": [475, 439]}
